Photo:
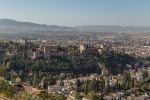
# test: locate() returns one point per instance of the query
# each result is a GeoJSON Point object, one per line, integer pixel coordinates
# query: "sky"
{"type": "Point", "coordinates": [78, 12]}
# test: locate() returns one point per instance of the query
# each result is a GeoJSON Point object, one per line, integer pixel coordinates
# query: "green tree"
{"type": "Point", "coordinates": [117, 85]}
{"type": "Point", "coordinates": [78, 96]}
{"type": "Point", "coordinates": [108, 86]}
{"type": "Point", "coordinates": [45, 83]}
{"type": "Point", "coordinates": [145, 74]}
{"type": "Point", "coordinates": [126, 77]}
{"type": "Point", "coordinates": [35, 80]}
{"type": "Point", "coordinates": [3, 70]}
{"type": "Point", "coordinates": [7, 89]}
{"type": "Point", "coordinates": [24, 96]}
{"type": "Point", "coordinates": [86, 86]}
{"type": "Point", "coordinates": [8, 64]}
{"type": "Point", "coordinates": [138, 93]}
{"type": "Point", "coordinates": [94, 96]}
{"type": "Point", "coordinates": [59, 96]}
{"type": "Point", "coordinates": [78, 84]}
{"type": "Point", "coordinates": [21, 73]}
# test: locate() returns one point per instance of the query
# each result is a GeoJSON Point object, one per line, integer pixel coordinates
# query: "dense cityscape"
{"type": "Point", "coordinates": [96, 66]}
{"type": "Point", "coordinates": [74, 50]}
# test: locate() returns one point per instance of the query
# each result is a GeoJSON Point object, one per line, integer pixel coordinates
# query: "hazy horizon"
{"type": "Point", "coordinates": [69, 26]}
{"type": "Point", "coordinates": [77, 12]}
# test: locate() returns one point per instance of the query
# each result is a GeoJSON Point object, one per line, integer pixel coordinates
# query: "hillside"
{"type": "Point", "coordinates": [9, 24]}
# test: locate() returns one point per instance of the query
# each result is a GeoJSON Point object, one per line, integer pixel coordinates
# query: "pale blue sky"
{"type": "Point", "coordinates": [78, 12]}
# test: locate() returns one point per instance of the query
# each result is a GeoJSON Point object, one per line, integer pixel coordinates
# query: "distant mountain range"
{"type": "Point", "coordinates": [108, 28]}
{"type": "Point", "coordinates": [9, 23]}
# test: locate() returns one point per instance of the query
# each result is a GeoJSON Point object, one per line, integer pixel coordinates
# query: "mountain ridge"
{"type": "Point", "coordinates": [10, 23]}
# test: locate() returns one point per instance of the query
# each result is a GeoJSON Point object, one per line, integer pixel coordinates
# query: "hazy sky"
{"type": "Point", "coordinates": [78, 12]}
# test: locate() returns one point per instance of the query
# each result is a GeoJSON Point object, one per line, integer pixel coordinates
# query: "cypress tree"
{"type": "Point", "coordinates": [132, 85]}
{"type": "Point", "coordinates": [78, 85]}
{"type": "Point", "coordinates": [117, 85]}
{"type": "Point", "coordinates": [86, 86]}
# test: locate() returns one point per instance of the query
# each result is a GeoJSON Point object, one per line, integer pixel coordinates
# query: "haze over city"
{"type": "Point", "coordinates": [78, 12]}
